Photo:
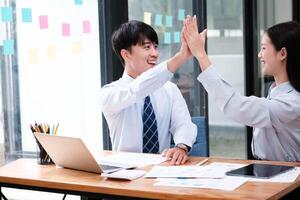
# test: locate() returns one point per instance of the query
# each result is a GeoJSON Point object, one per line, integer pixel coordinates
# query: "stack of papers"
{"type": "Point", "coordinates": [210, 176]}
{"type": "Point", "coordinates": [131, 159]}
{"type": "Point", "coordinates": [207, 171]}
{"type": "Point", "coordinates": [227, 183]}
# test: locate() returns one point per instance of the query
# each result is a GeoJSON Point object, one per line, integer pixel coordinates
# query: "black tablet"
{"type": "Point", "coordinates": [259, 170]}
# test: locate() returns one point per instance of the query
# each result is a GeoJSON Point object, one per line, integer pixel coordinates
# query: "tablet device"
{"type": "Point", "coordinates": [259, 170]}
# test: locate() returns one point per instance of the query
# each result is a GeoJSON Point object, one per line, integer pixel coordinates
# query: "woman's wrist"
{"type": "Point", "coordinates": [201, 55]}
{"type": "Point", "coordinates": [203, 60]}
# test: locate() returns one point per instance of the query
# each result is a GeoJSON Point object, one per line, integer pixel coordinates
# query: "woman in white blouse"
{"type": "Point", "coordinates": [275, 119]}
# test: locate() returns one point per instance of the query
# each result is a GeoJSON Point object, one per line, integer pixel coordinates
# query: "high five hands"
{"type": "Point", "coordinates": [195, 41]}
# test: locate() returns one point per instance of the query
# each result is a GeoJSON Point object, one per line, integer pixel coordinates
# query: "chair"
{"type": "Point", "coordinates": [200, 147]}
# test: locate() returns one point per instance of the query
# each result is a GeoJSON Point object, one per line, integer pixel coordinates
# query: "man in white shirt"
{"type": "Point", "coordinates": [123, 101]}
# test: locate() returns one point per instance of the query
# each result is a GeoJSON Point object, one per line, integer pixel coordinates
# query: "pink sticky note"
{"type": "Point", "coordinates": [65, 29]}
{"type": "Point", "coordinates": [43, 21]}
{"type": "Point", "coordinates": [86, 26]}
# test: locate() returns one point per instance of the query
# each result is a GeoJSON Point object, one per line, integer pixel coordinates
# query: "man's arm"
{"type": "Point", "coordinates": [114, 99]}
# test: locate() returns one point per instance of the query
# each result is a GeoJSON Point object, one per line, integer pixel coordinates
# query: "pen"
{"type": "Point", "coordinates": [202, 162]}
{"type": "Point", "coordinates": [56, 129]}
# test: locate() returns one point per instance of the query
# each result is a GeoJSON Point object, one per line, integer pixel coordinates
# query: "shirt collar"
{"type": "Point", "coordinates": [282, 88]}
{"type": "Point", "coordinates": [126, 77]}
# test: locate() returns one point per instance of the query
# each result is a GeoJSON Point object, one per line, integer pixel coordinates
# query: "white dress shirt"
{"type": "Point", "coordinates": [276, 119]}
{"type": "Point", "coordinates": [122, 104]}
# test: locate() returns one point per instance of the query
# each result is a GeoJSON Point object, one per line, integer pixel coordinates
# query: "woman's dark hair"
{"type": "Point", "coordinates": [131, 33]}
{"type": "Point", "coordinates": [287, 35]}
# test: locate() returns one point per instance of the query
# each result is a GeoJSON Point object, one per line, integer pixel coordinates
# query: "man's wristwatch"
{"type": "Point", "coordinates": [183, 146]}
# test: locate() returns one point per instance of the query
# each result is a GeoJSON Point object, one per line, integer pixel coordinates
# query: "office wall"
{"type": "Point", "coordinates": [59, 68]}
{"type": "Point", "coordinates": [1, 120]}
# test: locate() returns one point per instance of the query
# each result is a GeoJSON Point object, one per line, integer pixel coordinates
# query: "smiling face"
{"type": "Point", "coordinates": [273, 61]}
{"type": "Point", "coordinates": [140, 58]}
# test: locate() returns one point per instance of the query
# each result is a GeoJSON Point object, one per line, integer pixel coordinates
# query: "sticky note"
{"type": "Point", "coordinates": [169, 21]}
{"type": "Point", "coordinates": [167, 38]}
{"type": "Point", "coordinates": [176, 37]}
{"type": "Point", "coordinates": [158, 20]}
{"type": "Point", "coordinates": [6, 14]}
{"type": "Point", "coordinates": [147, 18]}
{"type": "Point", "coordinates": [51, 52]}
{"type": "Point", "coordinates": [78, 2]}
{"type": "Point", "coordinates": [76, 47]}
{"type": "Point", "coordinates": [181, 14]}
{"type": "Point", "coordinates": [86, 26]}
{"type": "Point", "coordinates": [65, 28]}
{"type": "Point", "coordinates": [8, 47]}
{"type": "Point", "coordinates": [32, 56]}
{"type": "Point", "coordinates": [43, 21]}
{"type": "Point", "coordinates": [26, 15]}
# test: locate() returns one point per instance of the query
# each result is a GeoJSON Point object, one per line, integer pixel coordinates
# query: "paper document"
{"type": "Point", "coordinates": [227, 183]}
{"type": "Point", "coordinates": [213, 170]}
{"type": "Point", "coordinates": [132, 159]}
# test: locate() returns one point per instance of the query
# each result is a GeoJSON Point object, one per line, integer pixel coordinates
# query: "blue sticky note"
{"type": "Point", "coordinates": [8, 47]}
{"type": "Point", "coordinates": [181, 14]}
{"type": "Point", "coordinates": [6, 14]}
{"type": "Point", "coordinates": [158, 20]}
{"type": "Point", "coordinates": [169, 21]}
{"type": "Point", "coordinates": [78, 2]}
{"type": "Point", "coordinates": [26, 15]}
{"type": "Point", "coordinates": [167, 39]}
{"type": "Point", "coordinates": [176, 37]}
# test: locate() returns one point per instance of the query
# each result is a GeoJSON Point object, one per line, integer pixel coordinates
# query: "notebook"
{"type": "Point", "coordinates": [69, 152]}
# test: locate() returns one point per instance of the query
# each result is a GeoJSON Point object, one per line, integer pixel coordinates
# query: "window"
{"type": "Point", "coordinates": [51, 71]}
{"type": "Point", "coordinates": [226, 50]}
{"type": "Point", "coordinates": [270, 12]}
{"type": "Point", "coordinates": [166, 17]}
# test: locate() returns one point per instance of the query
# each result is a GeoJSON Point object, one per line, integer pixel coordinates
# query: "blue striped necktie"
{"type": "Point", "coordinates": [150, 133]}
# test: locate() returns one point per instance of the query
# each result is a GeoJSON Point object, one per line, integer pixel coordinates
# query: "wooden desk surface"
{"type": "Point", "coordinates": [28, 173]}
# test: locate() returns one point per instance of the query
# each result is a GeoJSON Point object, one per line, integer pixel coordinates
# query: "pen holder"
{"type": "Point", "coordinates": [42, 156]}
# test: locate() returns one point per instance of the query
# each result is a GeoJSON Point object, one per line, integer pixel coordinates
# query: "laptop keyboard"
{"type": "Point", "coordinates": [108, 167]}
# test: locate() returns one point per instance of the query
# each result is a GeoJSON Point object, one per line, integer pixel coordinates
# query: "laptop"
{"type": "Point", "coordinates": [69, 152]}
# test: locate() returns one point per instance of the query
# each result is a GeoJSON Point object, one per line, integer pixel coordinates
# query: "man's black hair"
{"type": "Point", "coordinates": [132, 33]}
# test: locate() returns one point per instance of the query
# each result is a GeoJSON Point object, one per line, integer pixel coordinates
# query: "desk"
{"type": "Point", "coordinates": [27, 174]}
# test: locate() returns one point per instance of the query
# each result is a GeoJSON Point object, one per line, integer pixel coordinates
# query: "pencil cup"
{"type": "Point", "coordinates": [42, 156]}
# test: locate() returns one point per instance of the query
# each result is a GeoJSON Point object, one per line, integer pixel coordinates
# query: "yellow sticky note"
{"type": "Point", "coordinates": [147, 18]}
{"type": "Point", "coordinates": [76, 47]}
{"type": "Point", "coordinates": [51, 52]}
{"type": "Point", "coordinates": [33, 56]}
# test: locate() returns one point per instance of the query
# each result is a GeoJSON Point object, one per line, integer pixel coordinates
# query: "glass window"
{"type": "Point", "coordinates": [226, 50]}
{"type": "Point", "coordinates": [166, 17]}
{"type": "Point", "coordinates": [51, 71]}
{"type": "Point", "coordinates": [2, 158]}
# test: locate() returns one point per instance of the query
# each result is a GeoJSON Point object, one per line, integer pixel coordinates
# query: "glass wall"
{"type": "Point", "coordinates": [2, 158]}
{"type": "Point", "coordinates": [1, 105]}
{"type": "Point", "coordinates": [50, 71]}
{"type": "Point", "coordinates": [270, 12]}
{"type": "Point", "coordinates": [226, 50]}
{"type": "Point", "coordinates": [166, 17]}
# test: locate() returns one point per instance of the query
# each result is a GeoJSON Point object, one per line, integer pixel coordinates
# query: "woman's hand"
{"type": "Point", "coordinates": [196, 41]}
